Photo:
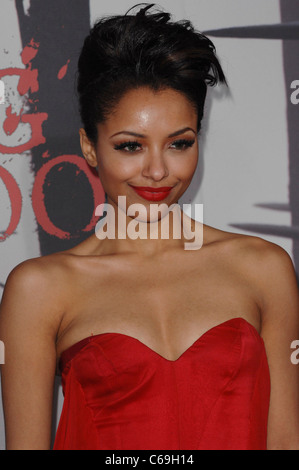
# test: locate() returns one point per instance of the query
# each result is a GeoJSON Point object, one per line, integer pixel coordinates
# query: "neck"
{"type": "Point", "coordinates": [154, 229]}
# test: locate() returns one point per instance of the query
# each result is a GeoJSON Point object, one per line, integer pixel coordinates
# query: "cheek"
{"type": "Point", "coordinates": [117, 169]}
{"type": "Point", "coordinates": [185, 168]}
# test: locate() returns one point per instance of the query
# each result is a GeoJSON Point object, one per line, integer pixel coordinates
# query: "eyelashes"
{"type": "Point", "coordinates": [131, 146]}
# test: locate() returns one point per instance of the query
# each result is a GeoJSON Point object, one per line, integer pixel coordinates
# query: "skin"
{"type": "Point", "coordinates": [177, 294]}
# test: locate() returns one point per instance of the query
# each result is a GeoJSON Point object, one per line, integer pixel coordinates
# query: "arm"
{"type": "Point", "coordinates": [279, 304]}
{"type": "Point", "coordinates": [28, 327]}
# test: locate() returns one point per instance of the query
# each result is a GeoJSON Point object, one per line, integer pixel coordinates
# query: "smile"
{"type": "Point", "coordinates": [152, 194]}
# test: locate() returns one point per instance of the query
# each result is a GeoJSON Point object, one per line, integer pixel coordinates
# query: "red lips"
{"type": "Point", "coordinates": [155, 190]}
{"type": "Point", "coordinates": [152, 194]}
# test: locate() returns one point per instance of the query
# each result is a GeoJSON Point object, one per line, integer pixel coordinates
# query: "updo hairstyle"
{"type": "Point", "coordinates": [128, 51]}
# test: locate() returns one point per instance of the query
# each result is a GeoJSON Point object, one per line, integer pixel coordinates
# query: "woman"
{"type": "Point", "coordinates": [159, 347]}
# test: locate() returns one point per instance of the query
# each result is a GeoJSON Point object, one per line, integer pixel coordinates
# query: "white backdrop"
{"type": "Point", "coordinates": [244, 142]}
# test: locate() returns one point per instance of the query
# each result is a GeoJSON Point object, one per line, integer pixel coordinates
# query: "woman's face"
{"type": "Point", "coordinates": [149, 140]}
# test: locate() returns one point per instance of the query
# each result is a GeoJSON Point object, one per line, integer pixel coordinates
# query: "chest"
{"type": "Point", "coordinates": [166, 305]}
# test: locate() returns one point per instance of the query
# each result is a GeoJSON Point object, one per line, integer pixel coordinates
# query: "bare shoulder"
{"type": "Point", "coordinates": [265, 266]}
{"type": "Point", "coordinates": [275, 277]}
{"type": "Point", "coordinates": [36, 290]}
{"type": "Point", "coordinates": [39, 273]}
{"type": "Point", "coordinates": [269, 270]}
{"type": "Point", "coordinates": [252, 251]}
{"type": "Point", "coordinates": [265, 259]}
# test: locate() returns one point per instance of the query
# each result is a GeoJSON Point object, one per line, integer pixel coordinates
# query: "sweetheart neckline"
{"type": "Point", "coordinates": [81, 343]}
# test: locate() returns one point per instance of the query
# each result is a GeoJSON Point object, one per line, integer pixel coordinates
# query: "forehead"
{"type": "Point", "coordinates": [144, 108]}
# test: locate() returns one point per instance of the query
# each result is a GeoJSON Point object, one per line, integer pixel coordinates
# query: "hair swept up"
{"type": "Point", "coordinates": [145, 48]}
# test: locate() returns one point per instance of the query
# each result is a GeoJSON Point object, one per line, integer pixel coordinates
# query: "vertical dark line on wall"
{"type": "Point", "coordinates": [290, 12]}
{"type": "Point", "coordinates": [59, 27]}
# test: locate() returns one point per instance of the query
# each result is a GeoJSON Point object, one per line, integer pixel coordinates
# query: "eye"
{"type": "Point", "coordinates": [183, 144]}
{"type": "Point", "coordinates": [130, 146]}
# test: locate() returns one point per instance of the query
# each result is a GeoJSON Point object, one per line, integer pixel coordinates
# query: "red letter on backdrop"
{"type": "Point", "coordinates": [15, 197]}
{"type": "Point", "coordinates": [38, 194]}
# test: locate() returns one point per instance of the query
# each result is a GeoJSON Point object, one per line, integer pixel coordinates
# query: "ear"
{"type": "Point", "coordinates": [87, 148]}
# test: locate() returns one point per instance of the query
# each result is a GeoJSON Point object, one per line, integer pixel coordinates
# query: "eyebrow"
{"type": "Point", "coordinates": [135, 134]}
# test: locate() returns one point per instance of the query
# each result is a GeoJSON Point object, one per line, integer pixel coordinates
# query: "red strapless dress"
{"type": "Point", "coordinates": [121, 395]}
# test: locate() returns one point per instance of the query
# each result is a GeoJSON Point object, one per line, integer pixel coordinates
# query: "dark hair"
{"type": "Point", "coordinates": [145, 49]}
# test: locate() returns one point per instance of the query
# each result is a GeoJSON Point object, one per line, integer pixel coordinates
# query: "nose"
{"type": "Point", "coordinates": [155, 165]}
